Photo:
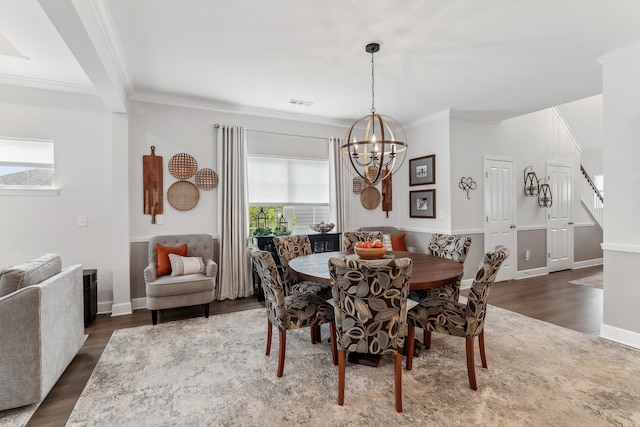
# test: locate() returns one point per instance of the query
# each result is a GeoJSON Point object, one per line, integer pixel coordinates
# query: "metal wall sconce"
{"type": "Point", "coordinates": [544, 196]}
{"type": "Point", "coordinates": [531, 183]}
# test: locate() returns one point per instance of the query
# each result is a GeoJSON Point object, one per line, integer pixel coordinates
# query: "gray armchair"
{"type": "Point", "coordinates": [182, 286]}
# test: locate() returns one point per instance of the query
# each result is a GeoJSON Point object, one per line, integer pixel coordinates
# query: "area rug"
{"type": "Point", "coordinates": [17, 417]}
{"type": "Point", "coordinates": [214, 372]}
{"type": "Point", "coordinates": [593, 281]}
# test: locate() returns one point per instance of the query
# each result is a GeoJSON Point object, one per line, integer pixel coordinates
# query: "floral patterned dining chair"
{"type": "Point", "coordinates": [451, 247]}
{"type": "Point", "coordinates": [370, 300]}
{"type": "Point", "coordinates": [286, 312]}
{"type": "Point", "coordinates": [350, 238]}
{"type": "Point", "coordinates": [288, 248]}
{"type": "Point", "coordinates": [462, 320]}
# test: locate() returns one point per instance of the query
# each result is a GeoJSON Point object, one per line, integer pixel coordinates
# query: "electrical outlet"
{"type": "Point", "coordinates": [527, 255]}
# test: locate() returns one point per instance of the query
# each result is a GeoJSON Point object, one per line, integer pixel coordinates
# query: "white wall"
{"type": "Point", "coordinates": [532, 140]}
{"type": "Point", "coordinates": [33, 225]}
{"type": "Point", "coordinates": [621, 85]}
{"type": "Point", "coordinates": [585, 119]}
{"type": "Point", "coordinates": [173, 130]}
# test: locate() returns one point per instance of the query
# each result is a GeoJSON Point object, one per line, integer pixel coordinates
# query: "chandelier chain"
{"type": "Point", "coordinates": [373, 94]}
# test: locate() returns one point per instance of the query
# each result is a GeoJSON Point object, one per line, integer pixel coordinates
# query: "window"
{"type": "Point", "coordinates": [295, 188]}
{"type": "Point", "coordinates": [26, 163]}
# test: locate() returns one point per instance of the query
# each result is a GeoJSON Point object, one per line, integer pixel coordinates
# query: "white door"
{"type": "Point", "coordinates": [500, 210]}
{"type": "Point", "coordinates": [559, 225]}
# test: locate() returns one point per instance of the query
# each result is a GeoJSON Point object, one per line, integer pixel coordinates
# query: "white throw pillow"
{"type": "Point", "coordinates": [386, 242]}
{"type": "Point", "coordinates": [181, 265]}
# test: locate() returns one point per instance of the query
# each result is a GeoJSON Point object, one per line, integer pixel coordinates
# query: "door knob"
{"type": "Point", "coordinates": [512, 226]}
{"type": "Point", "coordinates": [570, 222]}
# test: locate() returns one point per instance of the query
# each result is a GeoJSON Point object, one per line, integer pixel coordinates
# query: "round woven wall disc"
{"type": "Point", "coordinates": [183, 195]}
{"type": "Point", "coordinates": [370, 197]}
{"type": "Point", "coordinates": [183, 166]}
{"type": "Point", "coordinates": [206, 179]}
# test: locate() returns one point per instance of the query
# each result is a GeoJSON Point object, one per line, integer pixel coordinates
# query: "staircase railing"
{"type": "Point", "coordinates": [592, 198]}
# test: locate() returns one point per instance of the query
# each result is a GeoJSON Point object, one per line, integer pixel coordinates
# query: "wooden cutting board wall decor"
{"type": "Point", "coordinates": [387, 199]}
{"type": "Point", "coordinates": [152, 184]}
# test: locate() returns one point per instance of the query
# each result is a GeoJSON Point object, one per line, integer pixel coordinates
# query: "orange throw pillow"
{"type": "Point", "coordinates": [397, 242]}
{"type": "Point", "coordinates": [163, 265]}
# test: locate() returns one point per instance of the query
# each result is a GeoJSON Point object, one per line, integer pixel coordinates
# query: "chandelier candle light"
{"type": "Point", "coordinates": [374, 143]}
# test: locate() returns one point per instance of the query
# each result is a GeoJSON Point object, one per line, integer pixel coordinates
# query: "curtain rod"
{"type": "Point", "coordinates": [217, 126]}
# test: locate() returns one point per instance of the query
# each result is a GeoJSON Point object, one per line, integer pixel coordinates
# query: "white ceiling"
{"type": "Point", "coordinates": [488, 60]}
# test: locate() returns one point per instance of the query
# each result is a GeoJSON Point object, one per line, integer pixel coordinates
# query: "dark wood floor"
{"type": "Point", "coordinates": [550, 298]}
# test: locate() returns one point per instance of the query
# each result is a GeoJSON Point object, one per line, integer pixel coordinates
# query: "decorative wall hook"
{"type": "Point", "coordinates": [467, 184]}
{"type": "Point", "coordinates": [531, 183]}
{"type": "Point", "coordinates": [544, 196]}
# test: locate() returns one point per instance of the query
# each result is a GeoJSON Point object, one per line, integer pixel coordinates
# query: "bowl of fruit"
{"type": "Point", "coordinates": [372, 249]}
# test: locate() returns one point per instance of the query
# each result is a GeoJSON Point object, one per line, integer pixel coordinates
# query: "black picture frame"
{"type": "Point", "coordinates": [422, 170]}
{"type": "Point", "coordinates": [422, 203]}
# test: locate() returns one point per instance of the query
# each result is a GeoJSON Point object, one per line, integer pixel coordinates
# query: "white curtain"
{"type": "Point", "coordinates": [343, 183]}
{"type": "Point", "coordinates": [234, 279]}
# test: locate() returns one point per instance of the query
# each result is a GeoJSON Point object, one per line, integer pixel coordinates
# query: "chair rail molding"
{"type": "Point", "coordinates": [619, 247]}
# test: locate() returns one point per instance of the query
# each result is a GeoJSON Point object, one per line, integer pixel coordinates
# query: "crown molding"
{"type": "Point", "coordinates": [220, 107]}
{"type": "Point", "coordinates": [47, 84]}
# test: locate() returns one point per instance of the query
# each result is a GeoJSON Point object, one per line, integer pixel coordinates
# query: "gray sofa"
{"type": "Point", "coordinates": [41, 327]}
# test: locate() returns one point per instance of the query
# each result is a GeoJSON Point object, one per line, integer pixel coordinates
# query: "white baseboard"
{"type": "Point", "coordinates": [108, 307]}
{"type": "Point", "coordinates": [525, 274]}
{"type": "Point", "coordinates": [587, 263]}
{"type": "Point", "coordinates": [621, 336]}
{"type": "Point", "coordinates": [121, 309]}
{"type": "Point", "coordinates": [139, 303]}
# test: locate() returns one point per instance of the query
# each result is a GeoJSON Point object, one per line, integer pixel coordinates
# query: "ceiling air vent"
{"type": "Point", "coordinates": [298, 102]}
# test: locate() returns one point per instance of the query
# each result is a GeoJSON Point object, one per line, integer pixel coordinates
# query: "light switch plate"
{"type": "Point", "coordinates": [82, 220]}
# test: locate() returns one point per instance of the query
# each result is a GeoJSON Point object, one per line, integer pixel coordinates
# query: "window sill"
{"type": "Point", "coordinates": [29, 192]}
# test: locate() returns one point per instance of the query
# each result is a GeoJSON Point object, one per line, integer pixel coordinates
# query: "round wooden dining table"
{"type": "Point", "coordinates": [428, 271]}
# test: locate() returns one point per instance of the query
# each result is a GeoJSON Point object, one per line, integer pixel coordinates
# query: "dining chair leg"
{"type": "Point", "coordinates": [471, 369]}
{"type": "Point", "coordinates": [410, 342]}
{"type": "Point", "coordinates": [398, 381]}
{"type": "Point", "coordinates": [318, 334]}
{"type": "Point", "coordinates": [426, 338]}
{"type": "Point", "coordinates": [281, 352]}
{"type": "Point", "coordinates": [312, 333]}
{"type": "Point", "coordinates": [269, 336]}
{"type": "Point", "coordinates": [342, 361]}
{"type": "Point", "coordinates": [483, 357]}
{"type": "Point", "coordinates": [334, 342]}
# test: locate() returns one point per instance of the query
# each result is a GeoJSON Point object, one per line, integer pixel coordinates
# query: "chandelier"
{"type": "Point", "coordinates": [375, 145]}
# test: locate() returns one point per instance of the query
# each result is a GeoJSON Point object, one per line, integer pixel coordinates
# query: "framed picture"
{"type": "Point", "coordinates": [422, 170]}
{"type": "Point", "coordinates": [422, 204]}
